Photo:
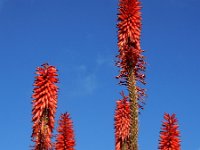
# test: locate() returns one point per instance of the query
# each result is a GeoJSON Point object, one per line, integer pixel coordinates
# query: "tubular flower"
{"type": "Point", "coordinates": [169, 135]}
{"type": "Point", "coordinates": [44, 106]}
{"type": "Point", "coordinates": [130, 58]}
{"type": "Point", "coordinates": [65, 138]}
{"type": "Point", "coordinates": [122, 123]}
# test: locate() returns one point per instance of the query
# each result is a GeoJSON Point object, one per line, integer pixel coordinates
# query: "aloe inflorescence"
{"type": "Point", "coordinates": [65, 139]}
{"type": "Point", "coordinates": [131, 62]}
{"type": "Point", "coordinates": [169, 134]}
{"type": "Point", "coordinates": [44, 106]}
{"type": "Point", "coordinates": [122, 123]}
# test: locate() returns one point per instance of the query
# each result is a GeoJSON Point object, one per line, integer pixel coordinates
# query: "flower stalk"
{"type": "Point", "coordinates": [131, 61]}
{"type": "Point", "coordinates": [44, 106]}
{"type": "Point", "coordinates": [122, 123]}
{"type": "Point", "coordinates": [65, 137]}
{"type": "Point", "coordinates": [169, 135]}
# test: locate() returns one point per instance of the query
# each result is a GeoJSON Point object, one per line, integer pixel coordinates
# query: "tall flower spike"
{"type": "Point", "coordinates": [130, 58]}
{"type": "Point", "coordinates": [131, 61]}
{"type": "Point", "coordinates": [169, 135]}
{"type": "Point", "coordinates": [122, 123]}
{"type": "Point", "coordinates": [44, 106]}
{"type": "Point", "coordinates": [65, 138]}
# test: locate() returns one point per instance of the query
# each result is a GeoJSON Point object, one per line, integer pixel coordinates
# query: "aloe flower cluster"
{"type": "Point", "coordinates": [65, 138]}
{"type": "Point", "coordinates": [131, 61]}
{"type": "Point", "coordinates": [44, 106]}
{"type": "Point", "coordinates": [130, 58]}
{"type": "Point", "coordinates": [122, 123]}
{"type": "Point", "coordinates": [169, 135]}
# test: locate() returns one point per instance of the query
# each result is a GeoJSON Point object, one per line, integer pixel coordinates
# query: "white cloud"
{"type": "Point", "coordinates": [101, 60]}
{"type": "Point", "coordinates": [85, 81]}
{"type": "Point", "coordinates": [89, 83]}
{"type": "Point", "coordinates": [104, 60]}
{"type": "Point", "coordinates": [81, 68]}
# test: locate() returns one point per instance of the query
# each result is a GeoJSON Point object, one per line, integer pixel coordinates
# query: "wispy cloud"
{"type": "Point", "coordinates": [85, 81]}
{"type": "Point", "coordinates": [104, 60]}
{"type": "Point", "coordinates": [89, 83]}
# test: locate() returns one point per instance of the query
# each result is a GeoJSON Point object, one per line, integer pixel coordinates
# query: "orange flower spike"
{"type": "Point", "coordinates": [169, 135]}
{"type": "Point", "coordinates": [122, 122]}
{"type": "Point", "coordinates": [44, 106]}
{"type": "Point", "coordinates": [131, 61]}
{"type": "Point", "coordinates": [130, 58]}
{"type": "Point", "coordinates": [65, 138]}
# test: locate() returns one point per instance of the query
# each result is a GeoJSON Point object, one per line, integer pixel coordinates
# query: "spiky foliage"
{"type": "Point", "coordinates": [122, 123]}
{"type": "Point", "coordinates": [44, 106]}
{"type": "Point", "coordinates": [65, 138]}
{"type": "Point", "coordinates": [130, 60]}
{"type": "Point", "coordinates": [169, 135]}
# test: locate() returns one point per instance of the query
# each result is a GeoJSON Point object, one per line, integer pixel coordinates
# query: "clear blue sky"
{"type": "Point", "coordinates": [79, 38]}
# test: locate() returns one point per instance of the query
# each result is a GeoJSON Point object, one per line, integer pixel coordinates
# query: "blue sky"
{"type": "Point", "coordinates": [79, 38]}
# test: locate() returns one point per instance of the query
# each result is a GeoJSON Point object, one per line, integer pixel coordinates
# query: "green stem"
{"type": "Point", "coordinates": [134, 111]}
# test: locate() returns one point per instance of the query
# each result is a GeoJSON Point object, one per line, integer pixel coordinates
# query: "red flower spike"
{"type": "Point", "coordinates": [65, 138]}
{"type": "Point", "coordinates": [44, 106]}
{"type": "Point", "coordinates": [130, 58]}
{"type": "Point", "coordinates": [169, 135]}
{"type": "Point", "coordinates": [122, 123]}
